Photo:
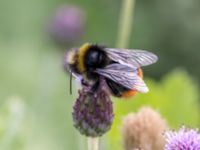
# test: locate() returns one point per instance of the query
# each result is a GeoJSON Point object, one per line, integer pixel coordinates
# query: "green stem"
{"type": "Point", "coordinates": [93, 143]}
{"type": "Point", "coordinates": [125, 23]}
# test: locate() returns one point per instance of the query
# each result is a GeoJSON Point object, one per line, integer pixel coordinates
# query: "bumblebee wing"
{"type": "Point", "coordinates": [125, 76]}
{"type": "Point", "coordinates": [131, 58]}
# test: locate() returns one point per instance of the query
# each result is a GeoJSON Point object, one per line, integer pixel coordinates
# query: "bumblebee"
{"type": "Point", "coordinates": [120, 68]}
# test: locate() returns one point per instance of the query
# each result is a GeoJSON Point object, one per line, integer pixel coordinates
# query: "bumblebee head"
{"type": "Point", "coordinates": [70, 60]}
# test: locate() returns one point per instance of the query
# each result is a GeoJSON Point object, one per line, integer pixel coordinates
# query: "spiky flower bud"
{"type": "Point", "coordinates": [93, 112]}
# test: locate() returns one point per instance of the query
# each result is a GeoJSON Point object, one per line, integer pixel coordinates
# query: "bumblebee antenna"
{"type": "Point", "coordinates": [70, 82]}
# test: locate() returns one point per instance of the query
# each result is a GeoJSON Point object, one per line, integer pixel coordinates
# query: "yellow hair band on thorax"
{"type": "Point", "coordinates": [81, 54]}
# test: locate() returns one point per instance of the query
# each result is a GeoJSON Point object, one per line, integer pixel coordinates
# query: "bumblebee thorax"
{"type": "Point", "coordinates": [91, 57]}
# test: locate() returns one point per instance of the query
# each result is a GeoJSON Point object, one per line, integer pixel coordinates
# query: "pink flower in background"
{"type": "Point", "coordinates": [67, 25]}
{"type": "Point", "coordinates": [184, 139]}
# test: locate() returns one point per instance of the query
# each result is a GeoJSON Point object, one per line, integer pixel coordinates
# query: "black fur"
{"type": "Point", "coordinates": [115, 88]}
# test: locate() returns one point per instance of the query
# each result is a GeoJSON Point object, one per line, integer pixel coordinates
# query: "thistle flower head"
{"type": "Point", "coordinates": [66, 26]}
{"type": "Point", "coordinates": [184, 139]}
{"type": "Point", "coordinates": [93, 112]}
{"type": "Point", "coordinates": [143, 130]}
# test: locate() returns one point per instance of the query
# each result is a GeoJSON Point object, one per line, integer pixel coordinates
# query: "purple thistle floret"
{"type": "Point", "coordinates": [93, 112]}
{"type": "Point", "coordinates": [67, 25]}
{"type": "Point", "coordinates": [184, 139]}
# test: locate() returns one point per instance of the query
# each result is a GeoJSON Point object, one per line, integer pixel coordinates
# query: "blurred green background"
{"type": "Point", "coordinates": [35, 104]}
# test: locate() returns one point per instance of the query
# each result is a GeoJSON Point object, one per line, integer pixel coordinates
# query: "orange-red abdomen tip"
{"type": "Point", "coordinates": [130, 93]}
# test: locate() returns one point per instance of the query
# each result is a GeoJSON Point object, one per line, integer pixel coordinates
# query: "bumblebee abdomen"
{"type": "Point", "coordinates": [121, 91]}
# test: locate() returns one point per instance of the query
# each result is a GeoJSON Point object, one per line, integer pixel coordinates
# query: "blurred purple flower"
{"type": "Point", "coordinates": [184, 139]}
{"type": "Point", "coordinates": [67, 25]}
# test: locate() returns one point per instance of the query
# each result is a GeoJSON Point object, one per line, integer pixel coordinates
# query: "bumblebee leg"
{"type": "Point", "coordinates": [95, 87]}
{"type": "Point", "coordinates": [84, 83]}
{"type": "Point", "coordinates": [114, 88]}
{"type": "Point", "coordinates": [91, 88]}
